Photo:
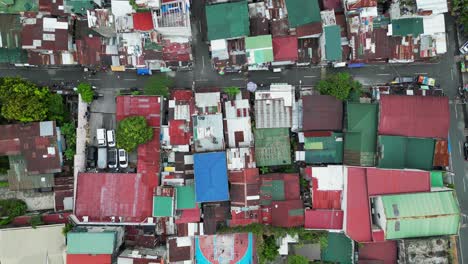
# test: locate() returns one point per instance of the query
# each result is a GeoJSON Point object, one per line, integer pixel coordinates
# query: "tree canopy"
{"type": "Point", "coordinates": [22, 100]}
{"type": "Point", "coordinates": [232, 91]}
{"type": "Point", "coordinates": [158, 85]}
{"type": "Point", "coordinates": [11, 208]}
{"type": "Point", "coordinates": [297, 259]}
{"type": "Point", "coordinates": [56, 109]}
{"type": "Point", "coordinates": [460, 11]}
{"type": "Point", "coordinates": [339, 85]}
{"type": "Point", "coordinates": [133, 131]}
{"type": "Point", "coordinates": [86, 92]}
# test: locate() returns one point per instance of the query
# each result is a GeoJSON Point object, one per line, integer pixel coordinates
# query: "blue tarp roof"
{"type": "Point", "coordinates": [211, 183]}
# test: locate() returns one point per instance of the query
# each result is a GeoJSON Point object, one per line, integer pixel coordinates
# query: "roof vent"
{"type": "Point", "coordinates": [85, 218]}
{"type": "Point", "coordinates": [112, 219]}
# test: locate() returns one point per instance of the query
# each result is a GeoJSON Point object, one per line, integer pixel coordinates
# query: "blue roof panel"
{"type": "Point", "coordinates": [211, 184]}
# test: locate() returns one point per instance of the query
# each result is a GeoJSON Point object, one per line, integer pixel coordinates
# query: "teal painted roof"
{"type": "Point", "coordinates": [272, 146]}
{"type": "Point", "coordinates": [91, 242]}
{"type": "Point", "coordinates": [437, 179]}
{"type": "Point", "coordinates": [320, 150]}
{"type": "Point", "coordinates": [333, 50]}
{"type": "Point", "coordinates": [162, 206]}
{"type": "Point", "coordinates": [185, 196]}
{"type": "Point", "coordinates": [407, 26]}
{"type": "Point", "coordinates": [361, 134]}
{"type": "Point", "coordinates": [402, 152]}
{"type": "Point", "coordinates": [421, 214]}
{"type": "Point", "coordinates": [78, 6]}
{"type": "Point", "coordinates": [228, 20]}
{"type": "Point", "coordinates": [339, 249]}
{"type": "Point", "coordinates": [19, 6]}
{"type": "Point", "coordinates": [259, 49]}
{"type": "Point", "coordinates": [301, 12]}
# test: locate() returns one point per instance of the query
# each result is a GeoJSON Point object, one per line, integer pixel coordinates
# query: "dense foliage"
{"type": "Point", "coordinates": [35, 221]}
{"type": "Point", "coordinates": [297, 259]}
{"type": "Point", "coordinates": [232, 91]}
{"type": "Point", "coordinates": [11, 208]}
{"type": "Point", "coordinates": [460, 10]}
{"type": "Point", "coordinates": [158, 85]}
{"type": "Point", "coordinates": [339, 85]}
{"type": "Point", "coordinates": [69, 132]}
{"type": "Point", "coordinates": [86, 92]}
{"type": "Point", "coordinates": [133, 131]}
{"type": "Point", "coordinates": [56, 109]}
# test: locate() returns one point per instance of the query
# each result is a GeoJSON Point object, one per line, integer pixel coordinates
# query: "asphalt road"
{"type": "Point", "coordinates": [445, 71]}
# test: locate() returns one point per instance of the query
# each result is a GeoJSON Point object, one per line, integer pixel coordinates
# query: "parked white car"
{"type": "Point", "coordinates": [111, 138]}
{"type": "Point", "coordinates": [464, 48]}
{"type": "Point", "coordinates": [123, 158]}
{"type": "Point", "coordinates": [101, 137]}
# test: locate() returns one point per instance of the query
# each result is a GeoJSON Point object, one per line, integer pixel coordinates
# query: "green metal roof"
{"type": "Point", "coordinates": [13, 56]}
{"type": "Point", "coordinates": [272, 146]}
{"type": "Point", "coordinates": [437, 179]}
{"type": "Point", "coordinates": [19, 179]}
{"type": "Point", "coordinates": [339, 249]}
{"type": "Point", "coordinates": [301, 12]}
{"type": "Point", "coordinates": [162, 206]}
{"type": "Point", "coordinates": [277, 190]}
{"type": "Point", "coordinates": [185, 197]}
{"type": "Point", "coordinates": [333, 50]}
{"type": "Point", "coordinates": [78, 6]}
{"type": "Point", "coordinates": [10, 31]}
{"type": "Point", "coordinates": [407, 26]}
{"type": "Point", "coordinates": [229, 20]}
{"type": "Point", "coordinates": [91, 242]}
{"type": "Point", "coordinates": [361, 134]}
{"type": "Point", "coordinates": [19, 6]}
{"type": "Point", "coordinates": [421, 214]}
{"type": "Point", "coordinates": [398, 152]}
{"type": "Point", "coordinates": [324, 149]}
{"type": "Point", "coordinates": [259, 49]}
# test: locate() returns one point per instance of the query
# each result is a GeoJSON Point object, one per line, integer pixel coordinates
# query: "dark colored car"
{"type": "Point", "coordinates": [91, 156]}
{"type": "Point", "coordinates": [465, 148]}
{"type": "Point", "coordinates": [112, 158]}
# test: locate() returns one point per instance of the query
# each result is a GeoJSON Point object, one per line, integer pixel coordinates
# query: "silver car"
{"type": "Point", "coordinates": [123, 158]}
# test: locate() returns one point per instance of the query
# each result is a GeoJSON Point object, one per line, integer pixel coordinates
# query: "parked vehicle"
{"type": "Point", "coordinates": [401, 80]}
{"type": "Point", "coordinates": [123, 158]}
{"type": "Point", "coordinates": [462, 66]}
{"type": "Point", "coordinates": [424, 80]}
{"type": "Point", "coordinates": [101, 137]}
{"type": "Point", "coordinates": [144, 71]}
{"type": "Point", "coordinates": [91, 156]}
{"type": "Point", "coordinates": [111, 138]}
{"type": "Point", "coordinates": [466, 150]}
{"type": "Point", "coordinates": [464, 48]}
{"type": "Point", "coordinates": [112, 158]}
{"type": "Point", "coordinates": [102, 158]}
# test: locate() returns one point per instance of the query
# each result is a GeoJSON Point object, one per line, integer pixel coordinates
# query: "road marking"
{"type": "Point", "coordinates": [456, 112]}
{"type": "Point", "coordinates": [130, 79]}
{"type": "Point", "coordinates": [57, 79]}
{"type": "Point", "coordinates": [237, 79]}
{"type": "Point", "coordinates": [421, 73]}
{"type": "Point", "coordinates": [273, 77]}
{"type": "Point", "coordinates": [94, 79]}
{"type": "Point", "coordinates": [451, 73]}
{"type": "Point", "coordinates": [310, 76]}
{"type": "Point", "coordinates": [203, 61]}
{"type": "Point", "coordinates": [202, 80]}
{"type": "Point", "coordinates": [464, 185]}
{"type": "Point", "coordinates": [383, 74]}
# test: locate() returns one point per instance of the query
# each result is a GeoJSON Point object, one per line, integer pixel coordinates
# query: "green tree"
{"type": "Point", "coordinates": [86, 92]}
{"type": "Point", "coordinates": [56, 111]}
{"type": "Point", "coordinates": [297, 259]}
{"type": "Point", "coordinates": [69, 132]}
{"type": "Point", "coordinates": [270, 250]}
{"type": "Point", "coordinates": [133, 131]}
{"type": "Point", "coordinates": [338, 85]}
{"type": "Point", "coordinates": [232, 91]}
{"type": "Point", "coordinates": [460, 11]}
{"type": "Point", "coordinates": [35, 221]}
{"type": "Point", "coordinates": [11, 208]}
{"type": "Point", "coordinates": [22, 100]}
{"type": "Point", "coordinates": [158, 85]}
{"type": "Point", "coordinates": [67, 228]}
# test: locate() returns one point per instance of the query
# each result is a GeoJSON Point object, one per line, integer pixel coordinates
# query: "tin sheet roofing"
{"type": "Point", "coordinates": [180, 249]}
{"type": "Point", "coordinates": [244, 187]}
{"type": "Point", "coordinates": [333, 50]}
{"type": "Point", "coordinates": [288, 213]}
{"type": "Point", "coordinates": [324, 149]}
{"type": "Point", "coordinates": [397, 181]}
{"type": "Point", "coordinates": [211, 182]}
{"type": "Point", "coordinates": [401, 152]}
{"type": "Point", "coordinates": [421, 214]}
{"type": "Point", "coordinates": [142, 21]}
{"type": "Point", "coordinates": [322, 112]}
{"type": "Point", "coordinates": [272, 146]}
{"type": "Point", "coordinates": [89, 259]}
{"type": "Point", "coordinates": [208, 133]}
{"type": "Point", "coordinates": [36, 36]}
{"type": "Point", "coordinates": [272, 113]}
{"type": "Point", "coordinates": [179, 132]}
{"type": "Point", "coordinates": [413, 116]}
{"type": "Point", "coordinates": [407, 26]}
{"type": "Point", "coordinates": [323, 219]}
{"type": "Point", "coordinates": [285, 48]}
{"type": "Point", "coordinates": [339, 249]}
{"type": "Point", "coordinates": [103, 195]}
{"type": "Point", "coordinates": [259, 49]}
{"type": "Point", "coordinates": [441, 154]}
{"type": "Point", "coordinates": [91, 242]}
{"type": "Point", "coordinates": [185, 197]}
{"type": "Point", "coordinates": [358, 225]}
{"type": "Point", "coordinates": [301, 12]}
{"type": "Point", "coordinates": [379, 252]}
{"type": "Point", "coordinates": [227, 20]}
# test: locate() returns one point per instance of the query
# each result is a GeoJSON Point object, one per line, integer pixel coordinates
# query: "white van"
{"type": "Point", "coordinates": [111, 138]}
{"type": "Point", "coordinates": [101, 137]}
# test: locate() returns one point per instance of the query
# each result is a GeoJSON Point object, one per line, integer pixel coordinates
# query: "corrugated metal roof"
{"type": "Point", "coordinates": [421, 214]}
{"type": "Point", "coordinates": [211, 182]}
{"type": "Point", "coordinates": [437, 179]}
{"type": "Point", "coordinates": [322, 112]}
{"type": "Point", "coordinates": [245, 187]}
{"type": "Point", "coordinates": [289, 213]}
{"type": "Point", "coordinates": [285, 48]}
{"type": "Point", "coordinates": [228, 20]}
{"type": "Point", "coordinates": [301, 12]}
{"type": "Point", "coordinates": [240, 158]}
{"type": "Point", "coordinates": [441, 154]}
{"type": "Point", "coordinates": [272, 146]}
{"type": "Point", "coordinates": [339, 249]}
{"type": "Point", "coordinates": [324, 149]}
{"type": "Point", "coordinates": [333, 50]}
{"type": "Point", "coordinates": [185, 197]}
{"type": "Point", "coordinates": [400, 152]}
{"type": "Point", "coordinates": [163, 206]}
{"type": "Point", "coordinates": [407, 26]}
{"type": "Point", "coordinates": [208, 133]}
{"type": "Point", "coordinates": [259, 49]}
{"type": "Point", "coordinates": [142, 21]}
{"type": "Point", "coordinates": [180, 249]}
{"type": "Point", "coordinates": [379, 252]}
{"type": "Point", "coordinates": [19, 179]}
{"type": "Point", "coordinates": [91, 242]}
{"type": "Point", "coordinates": [323, 219]}
{"type": "Point", "coordinates": [414, 116]}
{"type": "Point", "coordinates": [361, 134]}
{"type": "Point", "coordinates": [272, 114]}
{"type": "Point", "coordinates": [89, 259]}
{"type": "Point", "coordinates": [396, 181]}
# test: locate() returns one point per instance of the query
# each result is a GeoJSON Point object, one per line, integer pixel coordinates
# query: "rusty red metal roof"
{"type": "Point", "coordinates": [54, 8]}
{"type": "Point", "coordinates": [362, 3]}
{"type": "Point", "coordinates": [441, 155]}
{"type": "Point", "coordinates": [89, 259]}
{"type": "Point", "coordinates": [285, 48]}
{"type": "Point", "coordinates": [358, 224]}
{"type": "Point", "coordinates": [244, 183]}
{"type": "Point", "coordinates": [182, 95]}
{"type": "Point", "coordinates": [381, 181]}
{"type": "Point", "coordinates": [309, 29]}
{"type": "Point", "coordinates": [322, 112]}
{"type": "Point", "coordinates": [189, 216]}
{"type": "Point", "coordinates": [180, 253]}
{"type": "Point", "coordinates": [36, 31]}
{"type": "Point", "coordinates": [414, 116]}
{"type": "Point", "coordinates": [89, 50]}
{"type": "Point", "coordinates": [242, 218]}
{"type": "Point", "coordinates": [175, 52]}
{"type": "Point", "coordinates": [323, 219]}
{"type": "Point", "coordinates": [179, 132]}
{"type": "Point", "coordinates": [383, 252]}
{"type": "Point", "coordinates": [143, 21]}
{"type": "Point", "coordinates": [287, 213]}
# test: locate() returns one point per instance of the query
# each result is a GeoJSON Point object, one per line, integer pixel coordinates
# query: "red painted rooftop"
{"type": "Point", "coordinates": [102, 195]}
{"type": "Point", "coordinates": [179, 132]}
{"type": "Point", "coordinates": [89, 259]}
{"type": "Point", "coordinates": [414, 116]}
{"type": "Point", "coordinates": [89, 50]}
{"type": "Point", "coordinates": [358, 225]}
{"type": "Point", "coordinates": [143, 21]}
{"type": "Point", "coordinates": [381, 181]}
{"type": "Point", "coordinates": [280, 213]}
{"type": "Point", "coordinates": [189, 216]}
{"type": "Point", "coordinates": [323, 219]}
{"type": "Point", "coordinates": [182, 95]}
{"type": "Point", "coordinates": [384, 252]}
{"type": "Point", "coordinates": [175, 52]}
{"type": "Point", "coordinates": [285, 48]}
{"type": "Point", "coordinates": [33, 32]}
